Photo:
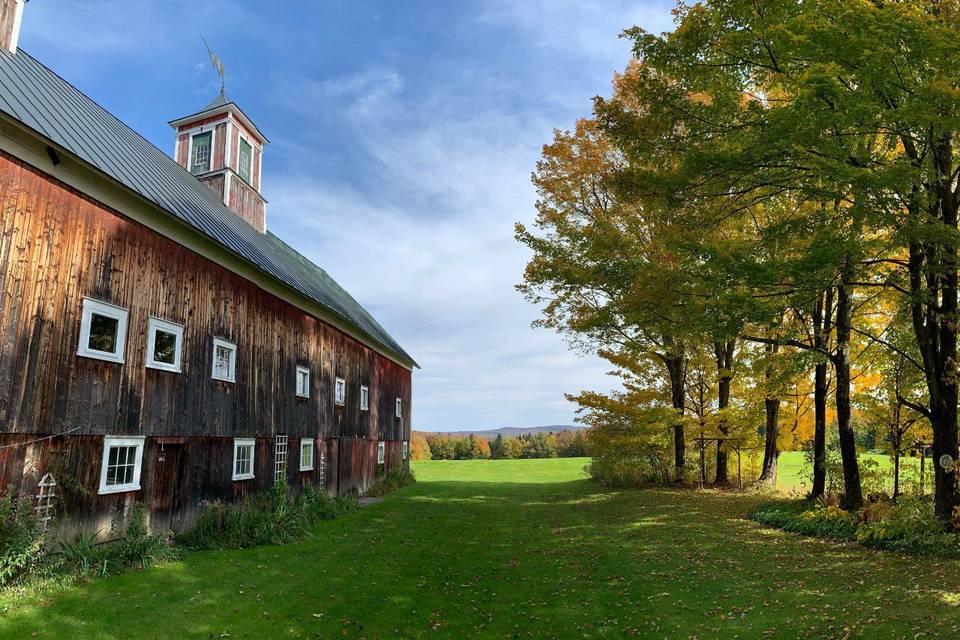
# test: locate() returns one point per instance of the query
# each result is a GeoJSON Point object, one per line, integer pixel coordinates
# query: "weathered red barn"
{"type": "Point", "coordinates": [157, 343]}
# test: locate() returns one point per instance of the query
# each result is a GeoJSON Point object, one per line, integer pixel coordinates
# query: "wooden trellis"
{"type": "Point", "coordinates": [281, 459]}
{"type": "Point", "coordinates": [702, 442]}
{"type": "Point", "coordinates": [46, 500]}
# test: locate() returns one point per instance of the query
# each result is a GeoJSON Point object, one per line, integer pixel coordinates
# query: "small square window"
{"type": "Point", "coordinates": [303, 382]}
{"type": "Point", "coordinates": [245, 161]}
{"type": "Point", "coordinates": [405, 450]}
{"type": "Point", "coordinates": [243, 450]}
{"type": "Point", "coordinates": [120, 467]}
{"type": "Point", "coordinates": [103, 331]}
{"type": "Point", "coordinates": [340, 391]}
{"type": "Point", "coordinates": [381, 452]}
{"type": "Point", "coordinates": [306, 454]}
{"type": "Point", "coordinates": [399, 408]}
{"type": "Point", "coordinates": [201, 146]}
{"type": "Point", "coordinates": [224, 360]}
{"type": "Point", "coordinates": [164, 340]}
{"type": "Point", "coordinates": [364, 398]}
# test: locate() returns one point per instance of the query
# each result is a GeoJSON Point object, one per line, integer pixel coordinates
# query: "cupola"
{"type": "Point", "coordinates": [11, 12]}
{"type": "Point", "coordinates": [222, 147]}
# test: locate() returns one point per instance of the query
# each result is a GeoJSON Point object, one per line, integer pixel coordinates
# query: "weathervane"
{"type": "Point", "coordinates": [217, 64]}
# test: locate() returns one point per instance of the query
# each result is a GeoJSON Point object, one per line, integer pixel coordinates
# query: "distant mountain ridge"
{"type": "Point", "coordinates": [508, 431]}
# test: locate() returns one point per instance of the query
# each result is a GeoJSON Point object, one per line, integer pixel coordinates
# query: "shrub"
{"type": "Point", "coordinates": [317, 505]}
{"type": "Point", "coordinates": [395, 478]}
{"type": "Point", "coordinates": [81, 555]}
{"type": "Point", "coordinates": [267, 517]}
{"type": "Point", "coordinates": [137, 548]}
{"type": "Point", "coordinates": [21, 540]}
{"type": "Point", "coordinates": [619, 472]}
{"type": "Point", "coordinates": [908, 526]}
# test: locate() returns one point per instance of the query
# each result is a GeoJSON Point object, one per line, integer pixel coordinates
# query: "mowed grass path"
{"type": "Point", "coordinates": [516, 549]}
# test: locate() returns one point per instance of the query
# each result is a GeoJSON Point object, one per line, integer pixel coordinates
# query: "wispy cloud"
{"type": "Point", "coordinates": [435, 261]}
{"type": "Point", "coordinates": [403, 137]}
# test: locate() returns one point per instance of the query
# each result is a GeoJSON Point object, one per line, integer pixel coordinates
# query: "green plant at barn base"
{"type": "Point", "coordinates": [395, 478]}
{"type": "Point", "coordinates": [268, 517]}
{"type": "Point", "coordinates": [21, 540]}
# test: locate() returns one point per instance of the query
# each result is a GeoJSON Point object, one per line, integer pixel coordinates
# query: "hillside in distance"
{"type": "Point", "coordinates": [507, 432]}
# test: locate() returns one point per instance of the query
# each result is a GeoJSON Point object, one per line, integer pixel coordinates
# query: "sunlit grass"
{"type": "Point", "coordinates": [794, 473]}
{"type": "Point", "coordinates": [518, 549]}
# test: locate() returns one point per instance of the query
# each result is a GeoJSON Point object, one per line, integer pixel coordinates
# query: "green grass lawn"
{"type": "Point", "coordinates": [793, 472]}
{"type": "Point", "coordinates": [516, 549]}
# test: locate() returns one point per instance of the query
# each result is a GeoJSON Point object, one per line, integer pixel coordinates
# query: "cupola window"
{"type": "Point", "coordinates": [243, 166]}
{"type": "Point", "coordinates": [200, 156]}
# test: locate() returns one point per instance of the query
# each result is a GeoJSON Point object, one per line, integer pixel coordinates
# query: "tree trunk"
{"type": "Point", "coordinates": [896, 473]}
{"type": "Point", "coordinates": [945, 498]}
{"type": "Point", "coordinates": [771, 405]}
{"type": "Point", "coordinates": [724, 352]}
{"type": "Point", "coordinates": [853, 495]}
{"type": "Point", "coordinates": [822, 314]}
{"type": "Point", "coordinates": [770, 451]}
{"type": "Point", "coordinates": [676, 367]}
{"type": "Point", "coordinates": [932, 267]}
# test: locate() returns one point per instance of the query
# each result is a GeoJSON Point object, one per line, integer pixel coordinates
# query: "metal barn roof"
{"type": "Point", "coordinates": [48, 104]}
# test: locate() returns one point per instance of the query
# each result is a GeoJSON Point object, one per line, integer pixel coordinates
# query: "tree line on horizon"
{"type": "Point", "coordinates": [758, 229]}
{"type": "Point", "coordinates": [563, 444]}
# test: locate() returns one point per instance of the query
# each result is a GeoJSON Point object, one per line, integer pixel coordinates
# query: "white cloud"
{"type": "Point", "coordinates": [430, 251]}
{"type": "Point", "coordinates": [442, 281]}
{"type": "Point", "coordinates": [582, 28]}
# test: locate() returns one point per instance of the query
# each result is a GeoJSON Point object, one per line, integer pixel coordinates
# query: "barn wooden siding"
{"type": "Point", "coordinates": [58, 246]}
{"type": "Point", "coordinates": [246, 202]}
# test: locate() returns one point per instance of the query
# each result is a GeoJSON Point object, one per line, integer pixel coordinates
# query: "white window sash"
{"type": "Point", "coordinates": [303, 382]}
{"type": "Point", "coordinates": [110, 442]}
{"type": "Point", "coordinates": [399, 411]}
{"type": "Point", "coordinates": [91, 307]}
{"type": "Point", "coordinates": [364, 398]}
{"type": "Point", "coordinates": [231, 375]}
{"type": "Point", "coordinates": [244, 443]}
{"type": "Point", "coordinates": [309, 445]}
{"type": "Point", "coordinates": [381, 452]}
{"type": "Point", "coordinates": [340, 391]}
{"type": "Point", "coordinates": [155, 325]}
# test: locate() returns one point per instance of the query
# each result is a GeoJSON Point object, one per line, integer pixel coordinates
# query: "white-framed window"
{"type": "Point", "coordinates": [164, 344]}
{"type": "Point", "coordinates": [224, 360]}
{"type": "Point", "coordinates": [303, 382]}
{"type": "Point", "coordinates": [243, 450]}
{"type": "Point", "coordinates": [122, 459]}
{"type": "Point", "coordinates": [364, 398]}
{"type": "Point", "coordinates": [306, 454]}
{"type": "Point", "coordinates": [381, 452]}
{"type": "Point", "coordinates": [103, 331]}
{"type": "Point", "coordinates": [245, 160]}
{"type": "Point", "coordinates": [340, 391]}
{"type": "Point", "coordinates": [399, 408]}
{"type": "Point", "coordinates": [201, 151]}
{"type": "Point", "coordinates": [405, 449]}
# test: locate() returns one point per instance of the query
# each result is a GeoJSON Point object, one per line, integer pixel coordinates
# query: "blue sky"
{"type": "Point", "coordinates": [402, 135]}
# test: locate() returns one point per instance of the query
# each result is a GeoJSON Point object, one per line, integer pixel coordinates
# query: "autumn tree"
{"type": "Point", "coordinates": [846, 109]}
{"type": "Point", "coordinates": [600, 268]}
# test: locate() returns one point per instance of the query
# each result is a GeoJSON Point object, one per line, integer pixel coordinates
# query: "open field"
{"type": "Point", "coordinates": [520, 548]}
{"type": "Point", "coordinates": [793, 472]}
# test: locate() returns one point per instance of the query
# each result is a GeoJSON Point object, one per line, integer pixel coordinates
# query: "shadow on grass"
{"type": "Point", "coordinates": [457, 559]}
